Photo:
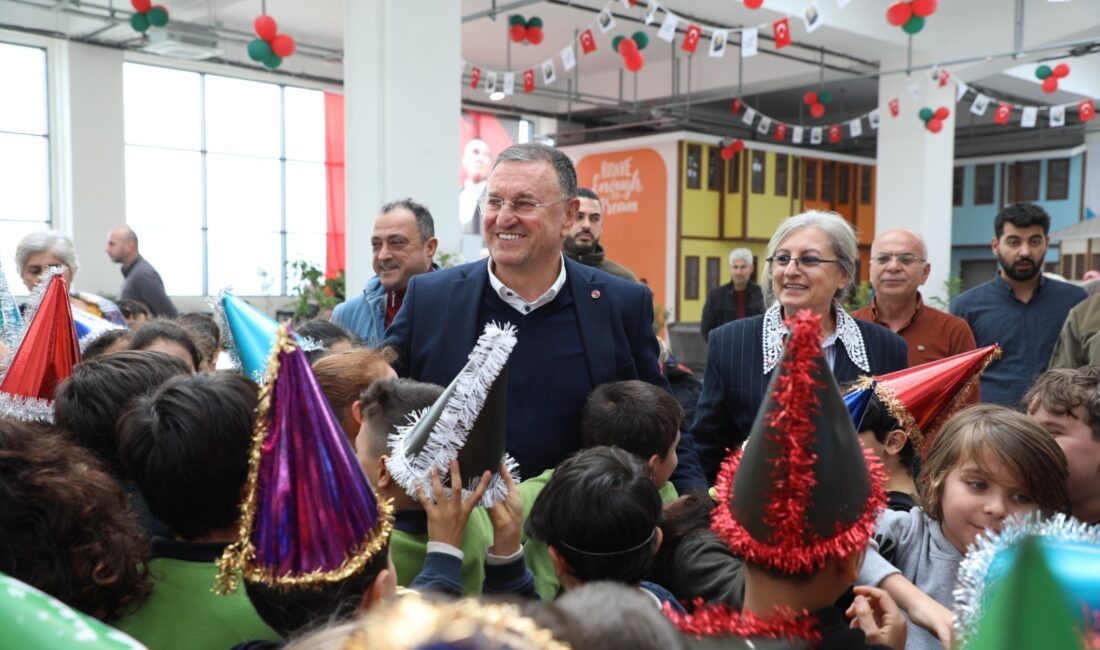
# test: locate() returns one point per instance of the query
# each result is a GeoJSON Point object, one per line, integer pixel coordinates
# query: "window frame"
{"type": "Point", "coordinates": [762, 176]}
{"type": "Point", "coordinates": [782, 173]}
{"type": "Point", "coordinates": [982, 174]}
{"type": "Point", "coordinates": [1062, 183]}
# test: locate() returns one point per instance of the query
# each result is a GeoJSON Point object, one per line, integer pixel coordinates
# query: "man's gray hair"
{"type": "Point", "coordinates": [534, 152]}
{"type": "Point", "coordinates": [841, 236]}
{"type": "Point", "coordinates": [425, 225]}
{"type": "Point", "coordinates": [741, 254]}
{"type": "Point", "coordinates": [46, 241]}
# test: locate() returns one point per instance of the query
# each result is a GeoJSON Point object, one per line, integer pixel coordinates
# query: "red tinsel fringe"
{"type": "Point", "coordinates": [718, 620]}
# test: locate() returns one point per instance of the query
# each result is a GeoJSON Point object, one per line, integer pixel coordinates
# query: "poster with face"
{"type": "Point", "coordinates": [482, 137]}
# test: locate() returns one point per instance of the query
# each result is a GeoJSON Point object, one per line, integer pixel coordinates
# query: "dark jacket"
{"type": "Point", "coordinates": [720, 307]}
{"type": "Point", "coordinates": [598, 259]}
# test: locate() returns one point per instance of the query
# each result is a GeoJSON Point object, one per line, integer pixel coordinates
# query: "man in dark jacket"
{"type": "Point", "coordinates": [738, 298]}
{"type": "Point", "coordinates": [583, 242]}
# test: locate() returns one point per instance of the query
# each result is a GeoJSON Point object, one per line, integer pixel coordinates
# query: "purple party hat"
{"type": "Point", "coordinates": [309, 514]}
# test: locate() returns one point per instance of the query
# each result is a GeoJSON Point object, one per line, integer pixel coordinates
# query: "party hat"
{"type": "Point", "coordinates": [11, 322]}
{"type": "Point", "coordinates": [90, 327]}
{"type": "Point", "coordinates": [248, 334]}
{"type": "Point", "coordinates": [1029, 609]}
{"type": "Point", "coordinates": [857, 401]}
{"type": "Point", "coordinates": [1070, 550]}
{"type": "Point", "coordinates": [309, 514]}
{"type": "Point", "coordinates": [467, 422]}
{"type": "Point", "coordinates": [32, 620]}
{"type": "Point", "coordinates": [45, 355]}
{"type": "Point", "coordinates": [922, 398]}
{"type": "Point", "coordinates": [803, 490]}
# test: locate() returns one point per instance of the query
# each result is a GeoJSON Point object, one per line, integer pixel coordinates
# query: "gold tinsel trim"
{"type": "Point", "coordinates": [412, 621]}
{"type": "Point", "coordinates": [239, 558]}
{"type": "Point", "coordinates": [893, 405]}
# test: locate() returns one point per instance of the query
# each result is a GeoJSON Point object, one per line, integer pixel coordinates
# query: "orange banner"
{"type": "Point", "coordinates": [633, 188]}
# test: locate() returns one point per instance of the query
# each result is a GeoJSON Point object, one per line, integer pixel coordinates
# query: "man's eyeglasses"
{"type": "Point", "coordinates": [522, 207]}
{"type": "Point", "coordinates": [905, 259]}
{"type": "Point", "coordinates": [804, 261]}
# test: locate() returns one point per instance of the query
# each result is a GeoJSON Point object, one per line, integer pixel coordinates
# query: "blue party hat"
{"type": "Point", "coordinates": [249, 335]}
{"type": "Point", "coordinates": [857, 401]}
{"type": "Point", "coordinates": [11, 323]}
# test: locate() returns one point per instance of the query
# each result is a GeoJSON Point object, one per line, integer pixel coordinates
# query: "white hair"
{"type": "Point", "coordinates": [741, 254]}
{"type": "Point", "coordinates": [841, 236]}
{"type": "Point", "coordinates": [44, 241]}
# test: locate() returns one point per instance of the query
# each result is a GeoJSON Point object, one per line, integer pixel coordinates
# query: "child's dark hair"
{"type": "Point", "coordinates": [387, 403]}
{"type": "Point", "coordinates": [204, 330]}
{"type": "Point", "coordinates": [103, 342]}
{"type": "Point", "coordinates": [1029, 454]}
{"type": "Point", "coordinates": [160, 329]}
{"type": "Point", "coordinates": [1062, 391]}
{"type": "Point", "coordinates": [600, 512]}
{"type": "Point", "coordinates": [130, 308]}
{"type": "Point", "coordinates": [292, 610]}
{"type": "Point", "coordinates": [632, 415]}
{"type": "Point", "coordinates": [186, 447]}
{"type": "Point", "coordinates": [327, 334]}
{"type": "Point", "coordinates": [90, 402]}
{"type": "Point", "coordinates": [877, 420]}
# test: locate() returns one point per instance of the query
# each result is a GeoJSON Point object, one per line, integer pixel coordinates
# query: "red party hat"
{"type": "Point", "coordinates": [922, 398]}
{"type": "Point", "coordinates": [45, 356]}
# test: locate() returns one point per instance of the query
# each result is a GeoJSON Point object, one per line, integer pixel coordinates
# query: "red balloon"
{"type": "Point", "coordinates": [810, 98]}
{"type": "Point", "coordinates": [1050, 84]}
{"type": "Point", "coordinates": [265, 27]}
{"type": "Point", "coordinates": [634, 62]}
{"type": "Point", "coordinates": [738, 145]}
{"type": "Point", "coordinates": [727, 152]}
{"type": "Point", "coordinates": [899, 13]}
{"type": "Point", "coordinates": [754, 4]}
{"type": "Point", "coordinates": [534, 34]}
{"type": "Point", "coordinates": [142, 6]}
{"type": "Point", "coordinates": [518, 33]}
{"type": "Point", "coordinates": [924, 8]}
{"type": "Point", "coordinates": [1060, 70]}
{"type": "Point", "coordinates": [817, 110]}
{"type": "Point", "coordinates": [935, 125]}
{"type": "Point", "coordinates": [628, 47]}
{"type": "Point", "coordinates": [942, 113]}
{"type": "Point", "coordinates": [282, 45]}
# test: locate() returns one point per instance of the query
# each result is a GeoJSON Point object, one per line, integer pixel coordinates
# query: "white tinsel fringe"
{"type": "Point", "coordinates": [972, 588]}
{"type": "Point", "coordinates": [448, 436]}
{"type": "Point", "coordinates": [26, 409]}
{"type": "Point", "coordinates": [229, 344]}
{"type": "Point", "coordinates": [11, 322]}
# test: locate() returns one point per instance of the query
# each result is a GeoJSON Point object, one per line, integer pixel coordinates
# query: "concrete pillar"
{"type": "Point", "coordinates": [913, 188]}
{"type": "Point", "coordinates": [402, 100]}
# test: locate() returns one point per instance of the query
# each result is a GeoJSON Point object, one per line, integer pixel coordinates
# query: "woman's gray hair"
{"type": "Point", "coordinates": [46, 241]}
{"type": "Point", "coordinates": [741, 254]}
{"type": "Point", "coordinates": [840, 233]}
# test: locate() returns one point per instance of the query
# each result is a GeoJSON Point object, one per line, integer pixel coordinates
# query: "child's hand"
{"type": "Point", "coordinates": [876, 613]}
{"type": "Point", "coordinates": [507, 518]}
{"type": "Point", "coordinates": [447, 517]}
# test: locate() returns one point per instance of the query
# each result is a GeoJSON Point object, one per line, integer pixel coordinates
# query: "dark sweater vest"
{"type": "Point", "coordinates": [548, 380]}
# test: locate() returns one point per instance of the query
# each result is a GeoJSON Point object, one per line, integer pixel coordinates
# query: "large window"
{"type": "Point", "coordinates": [1057, 179]}
{"type": "Point", "coordinates": [984, 184]}
{"type": "Point", "coordinates": [759, 171]}
{"type": "Point", "coordinates": [1023, 181]}
{"type": "Point", "coordinates": [24, 151]}
{"type": "Point", "coordinates": [225, 179]}
{"type": "Point", "coordinates": [781, 174]}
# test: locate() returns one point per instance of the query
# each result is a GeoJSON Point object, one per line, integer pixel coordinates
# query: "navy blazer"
{"type": "Point", "coordinates": [734, 382]}
{"type": "Point", "coordinates": [437, 326]}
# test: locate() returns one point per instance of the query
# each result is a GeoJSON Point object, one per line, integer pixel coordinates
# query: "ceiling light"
{"type": "Point", "coordinates": [497, 96]}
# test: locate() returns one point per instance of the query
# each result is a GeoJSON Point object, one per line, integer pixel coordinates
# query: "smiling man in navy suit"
{"type": "Point", "coordinates": [578, 327]}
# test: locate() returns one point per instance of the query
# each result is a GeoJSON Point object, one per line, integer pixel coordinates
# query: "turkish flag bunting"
{"type": "Point", "coordinates": [588, 42]}
{"type": "Point", "coordinates": [1086, 110]}
{"type": "Point", "coordinates": [691, 39]}
{"type": "Point", "coordinates": [895, 107]}
{"type": "Point", "coordinates": [736, 107]}
{"type": "Point", "coordinates": [944, 76]}
{"type": "Point", "coordinates": [780, 132]}
{"type": "Point", "coordinates": [1004, 111]}
{"type": "Point", "coordinates": [834, 133]}
{"type": "Point", "coordinates": [475, 78]}
{"type": "Point", "coordinates": [528, 80]}
{"type": "Point", "coordinates": [782, 31]}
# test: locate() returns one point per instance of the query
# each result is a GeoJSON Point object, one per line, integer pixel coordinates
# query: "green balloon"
{"type": "Point", "coordinates": [1043, 71]}
{"type": "Point", "coordinates": [516, 19]}
{"type": "Point", "coordinates": [641, 38]}
{"type": "Point", "coordinates": [534, 21]}
{"type": "Point", "coordinates": [158, 16]}
{"type": "Point", "coordinates": [825, 97]}
{"type": "Point", "coordinates": [915, 24]}
{"type": "Point", "coordinates": [140, 22]}
{"type": "Point", "coordinates": [259, 49]}
{"type": "Point", "coordinates": [615, 42]}
{"type": "Point", "coordinates": [927, 114]}
{"type": "Point", "coordinates": [273, 61]}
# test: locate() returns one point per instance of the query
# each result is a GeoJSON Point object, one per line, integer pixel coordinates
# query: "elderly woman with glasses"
{"type": "Point", "coordinates": [40, 250]}
{"type": "Point", "coordinates": [811, 264]}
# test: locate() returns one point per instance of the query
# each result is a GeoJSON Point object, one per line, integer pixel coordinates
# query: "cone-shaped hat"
{"type": "Point", "coordinates": [857, 400]}
{"type": "Point", "coordinates": [309, 514]}
{"type": "Point", "coordinates": [11, 322]}
{"type": "Point", "coordinates": [45, 356]}
{"type": "Point", "coordinates": [467, 422]}
{"type": "Point", "coordinates": [803, 490]}
{"type": "Point", "coordinates": [248, 334]}
{"type": "Point", "coordinates": [922, 398]}
{"type": "Point", "coordinates": [90, 327]}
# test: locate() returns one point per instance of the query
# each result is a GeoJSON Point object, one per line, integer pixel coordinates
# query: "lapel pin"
{"type": "Point", "coordinates": [595, 294]}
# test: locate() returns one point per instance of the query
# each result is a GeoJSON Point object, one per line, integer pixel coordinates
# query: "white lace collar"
{"type": "Point", "coordinates": [846, 330]}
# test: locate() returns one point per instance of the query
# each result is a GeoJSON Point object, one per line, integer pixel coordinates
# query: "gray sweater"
{"type": "Point", "coordinates": [922, 555]}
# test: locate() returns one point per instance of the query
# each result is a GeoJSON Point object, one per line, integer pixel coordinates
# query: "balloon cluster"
{"type": "Point", "coordinates": [1051, 76]}
{"type": "Point", "coordinates": [146, 15]}
{"type": "Point", "coordinates": [529, 30]}
{"type": "Point", "coordinates": [933, 119]}
{"type": "Point", "coordinates": [731, 147]}
{"type": "Point", "coordinates": [271, 47]}
{"type": "Point", "coordinates": [631, 49]}
{"type": "Point", "coordinates": [754, 4]}
{"type": "Point", "coordinates": [910, 15]}
{"type": "Point", "coordinates": [817, 101]}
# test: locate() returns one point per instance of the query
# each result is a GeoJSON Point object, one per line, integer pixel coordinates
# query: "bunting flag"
{"type": "Point", "coordinates": [781, 31]}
